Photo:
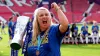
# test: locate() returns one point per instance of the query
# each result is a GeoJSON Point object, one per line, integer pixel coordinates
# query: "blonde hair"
{"type": "Point", "coordinates": [36, 28]}
{"type": "Point", "coordinates": [94, 22]}
{"type": "Point", "coordinates": [84, 23]}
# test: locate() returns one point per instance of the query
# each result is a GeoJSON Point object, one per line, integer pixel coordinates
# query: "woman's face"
{"type": "Point", "coordinates": [44, 18]}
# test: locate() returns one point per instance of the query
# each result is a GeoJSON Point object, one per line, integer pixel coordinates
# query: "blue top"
{"type": "Point", "coordinates": [84, 30]}
{"type": "Point", "coordinates": [51, 46]}
{"type": "Point", "coordinates": [95, 29]}
{"type": "Point", "coordinates": [76, 30]}
{"type": "Point", "coordinates": [10, 26]}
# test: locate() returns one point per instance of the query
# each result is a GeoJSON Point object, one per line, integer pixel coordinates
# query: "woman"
{"type": "Point", "coordinates": [84, 32]}
{"type": "Point", "coordinates": [11, 28]}
{"type": "Point", "coordinates": [74, 31]}
{"type": "Point", "coordinates": [95, 32]}
{"type": "Point", "coordinates": [46, 36]}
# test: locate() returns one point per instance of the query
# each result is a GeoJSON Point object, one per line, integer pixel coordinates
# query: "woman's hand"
{"type": "Point", "coordinates": [55, 6]}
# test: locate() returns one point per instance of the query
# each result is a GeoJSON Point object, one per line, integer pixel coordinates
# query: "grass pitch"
{"type": "Point", "coordinates": [66, 49]}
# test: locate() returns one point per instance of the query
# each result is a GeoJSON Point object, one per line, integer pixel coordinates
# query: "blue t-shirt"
{"type": "Point", "coordinates": [52, 47]}
{"type": "Point", "coordinates": [84, 30]}
{"type": "Point", "coordinates": [95, 29]}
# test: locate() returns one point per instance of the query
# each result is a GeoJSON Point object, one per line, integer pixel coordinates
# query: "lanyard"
{"type": "Point", "coordinates": [40, 39]}
{"type": "Point", "coordinates": [39, 42]}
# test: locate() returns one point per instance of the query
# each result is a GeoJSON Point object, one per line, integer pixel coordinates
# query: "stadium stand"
{"type": "Point", "coordinates": [74, 10]}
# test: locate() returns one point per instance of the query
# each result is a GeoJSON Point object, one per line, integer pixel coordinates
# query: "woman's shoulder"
{"type": "Point", "coordinates": [54, 25]}
{"type": "Point", "coordinates": [54, 28]}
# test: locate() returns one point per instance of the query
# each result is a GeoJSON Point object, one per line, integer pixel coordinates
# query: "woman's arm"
{"type": "Point", "coordinates": [62, 18]}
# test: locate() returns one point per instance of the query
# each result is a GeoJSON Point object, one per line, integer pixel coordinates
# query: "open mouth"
{"type": "Point", "coordinates": [44, 22]}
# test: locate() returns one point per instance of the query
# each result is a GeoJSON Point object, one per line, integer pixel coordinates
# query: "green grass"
{"type": "Point", "coordinates": [4, 45]}
{"type": "Point", "coordinates": [80, 50]}
{"type": "Point", "coordinates": [66, 49]}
